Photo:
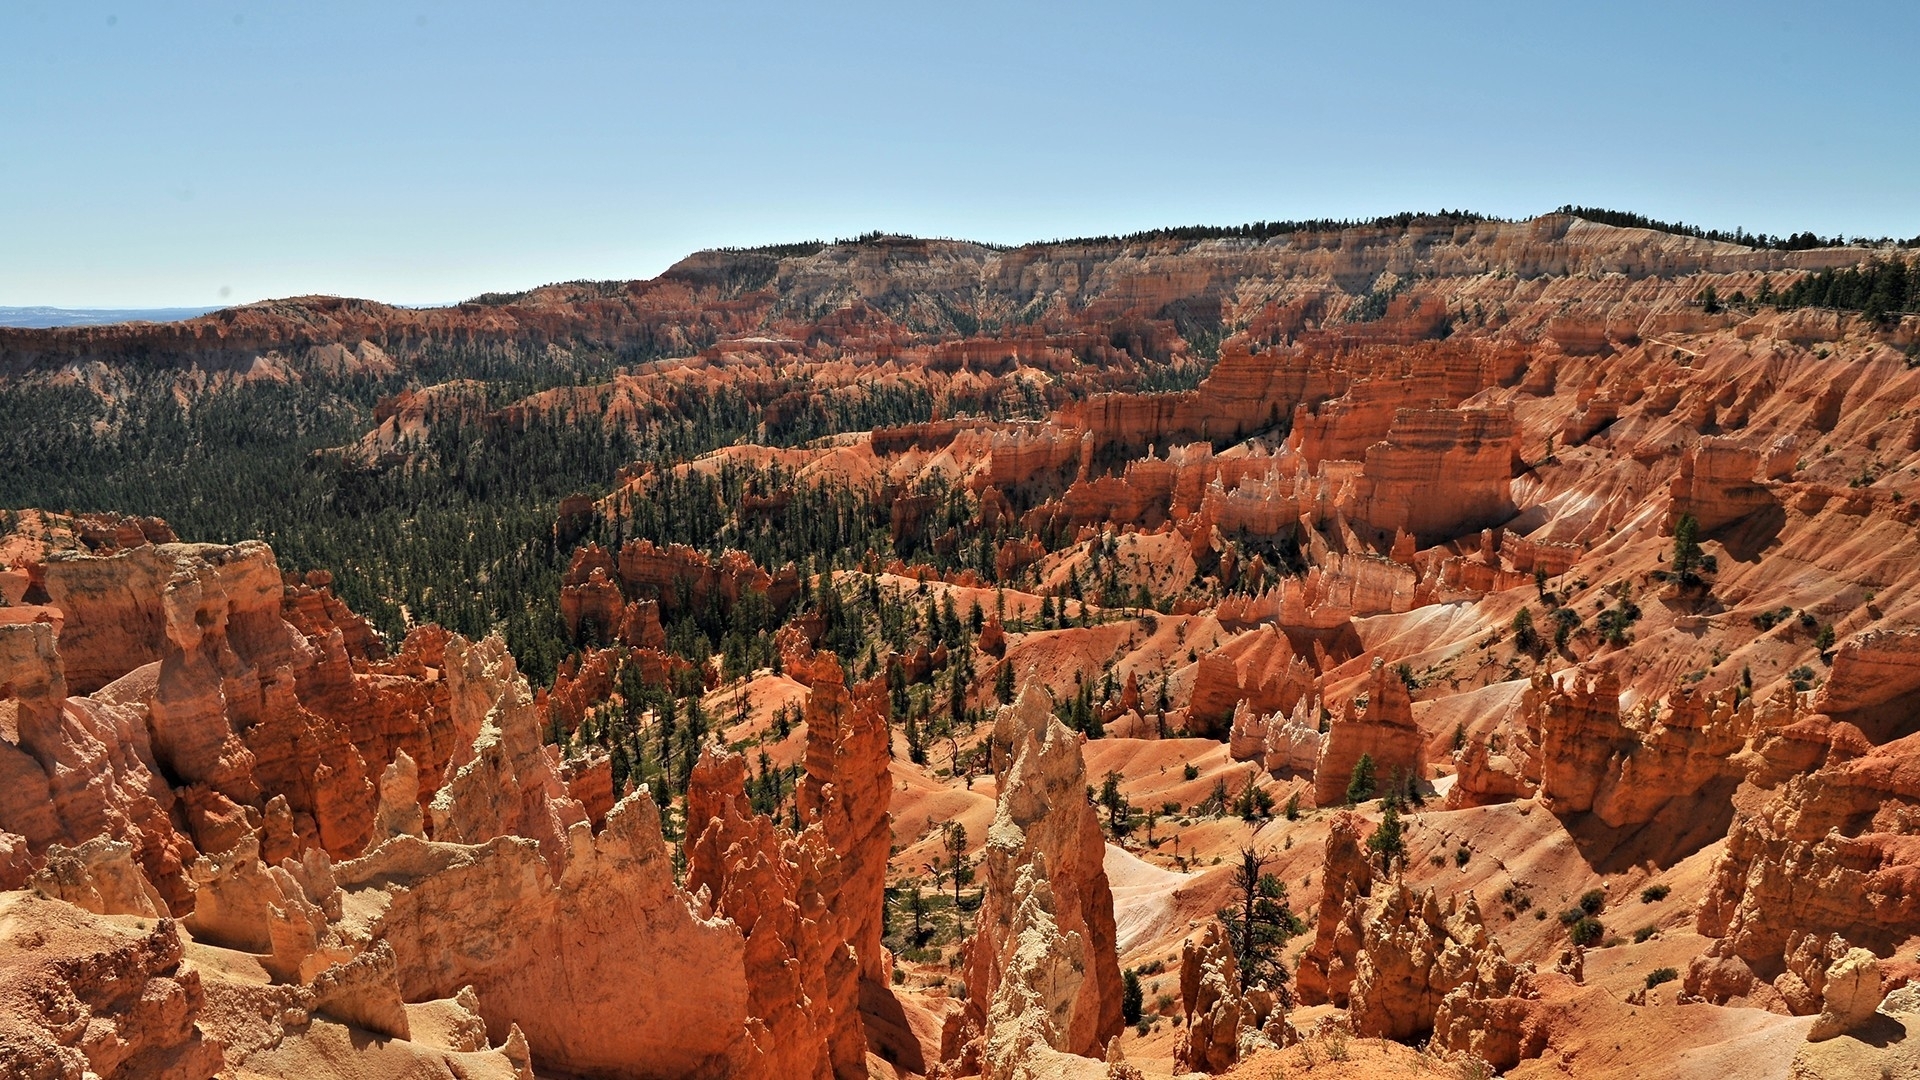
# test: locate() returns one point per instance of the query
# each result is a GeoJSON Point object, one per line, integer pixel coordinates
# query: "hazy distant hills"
{"type": "Point", "coordinates": [47, 316]}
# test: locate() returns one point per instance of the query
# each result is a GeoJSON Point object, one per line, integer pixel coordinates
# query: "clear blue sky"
{"type": "Point", "coordinates": [159, 153]}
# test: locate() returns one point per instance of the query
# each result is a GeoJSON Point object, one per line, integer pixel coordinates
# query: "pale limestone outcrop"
{"type": "Point", "coordinates": [1850, 997]}
{"type": "Point", "coordinates": [232, 894]}
{"type": "Point", "coordinates": [1041, 968]}
{"type": "Point", "coordinates": [81, 996]}
{"type": "Point", "coordinates": [93, 997]}
{"type": "Point", "coordinates": [399, 813]}
{"type": "Point", "coordinates": [1281, 741]}
{"type": "Point", "coordinates": [1829, 863]}
{"type": "Point", "coordinates": [802, 989]}
{"type": "Point", "coordinates": [1042, 972]}
{"type": "Point", "coordinates": [100, 876]}
{"type": "Point", "coordinates": [508, 783]}
{"type": "Point", "coordinates": [1247, 735]}
{"type": "Point", "coordinates": [222, 697]}
{"type": "Point", "coordinates": [569, 960]}
{"type": "Point", "coordinates": [364, 991]}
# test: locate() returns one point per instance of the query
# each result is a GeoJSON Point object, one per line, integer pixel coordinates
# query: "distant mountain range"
{"type": "Point", "coordinates": [49, 316]}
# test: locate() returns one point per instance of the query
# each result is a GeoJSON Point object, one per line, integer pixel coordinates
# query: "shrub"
{"type": "Point", "coordinates": [1586, 931]}
{"type": "Point", "coordinates": [1653, 894]}
{"type": "Point", "coordinates": [1461, 855]}
{"type": "Point", "coordinates": [1191, 772]}
{"type": "Point", "coordinates": [1593, 901]}
{"type": "Point", "coordinates": [1661, 975]}
{"type": "Point", "coordinates": [1641, 935]}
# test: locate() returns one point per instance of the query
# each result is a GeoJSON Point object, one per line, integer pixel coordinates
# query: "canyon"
{"type": "Point", "coordinates": [1543, 633]}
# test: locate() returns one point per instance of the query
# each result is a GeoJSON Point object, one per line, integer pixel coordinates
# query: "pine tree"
{"type": "Point", "coordinates": [955, 840]}
{"type": "Point", "coordinates": [1387, 843]}
{"type": "Point", "coordinates": [1119, 811]}
{"type": "Point", "coordinates": [1003, 684]}
{"type": "Point", "coordinates": [1525, 638]}
{"type": "Point", "coordinates": [1360, 786]}
{"type": "Point", "coordinates": [1259, 923]}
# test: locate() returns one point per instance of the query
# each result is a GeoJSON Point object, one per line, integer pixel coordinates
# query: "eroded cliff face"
{"type": "Point", "coordinates": [1828, 863]}
{"type": "Point", "coordinates": [478, 877]}
{"type": "Point", "coordinates": [1412, 437]}
{"type": "Point", "coordinates": [210, 693]}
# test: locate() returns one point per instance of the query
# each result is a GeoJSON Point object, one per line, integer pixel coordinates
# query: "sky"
{"type": "Point", "coordinates": [413, 151]}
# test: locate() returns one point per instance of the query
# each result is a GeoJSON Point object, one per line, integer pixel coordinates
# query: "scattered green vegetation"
{"type": "Point", "coordinates": [1801, 241]}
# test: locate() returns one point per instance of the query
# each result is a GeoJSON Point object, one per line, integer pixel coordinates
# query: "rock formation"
{"type": "Point", "coordinates": [1041, 970]}
{"type": "Point", "coordinates": [1379, 726]}
{"type": "Point", "coordinates": [1413, 431]}
{"type": "Point", "coordinates": [1850, 997]}
{"type": "Point", "coordinates": [556, 935]}
{"type": "Point", "coordinates": [1328, 967]}
{"type": "Point", "coordinates": [1625, 773]}
{"type": "Point", "coordinates": [83, 997]}
{"type": "Point", "coordinates": [216, 691]}
{"type": "Point", "coordinates": [846, 792]}
{"type": "Point", "coordinates": [1418, 955]}
{"type": "Point", "coordinates": [1827, 863]}
{"type": "Point", "coordinates": [1224, 1023]}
